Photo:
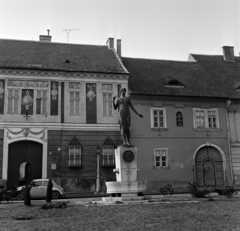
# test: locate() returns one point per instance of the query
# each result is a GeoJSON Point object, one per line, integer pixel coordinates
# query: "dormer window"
{"type": "Point", "coordinates": [173, 83]}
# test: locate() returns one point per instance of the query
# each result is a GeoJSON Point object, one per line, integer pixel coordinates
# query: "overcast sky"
{"type": "Point", "coordinates": [157, 29]}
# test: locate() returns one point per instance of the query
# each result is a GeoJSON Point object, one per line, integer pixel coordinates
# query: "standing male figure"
{"type": "Point", "coordinates": [124, 118]}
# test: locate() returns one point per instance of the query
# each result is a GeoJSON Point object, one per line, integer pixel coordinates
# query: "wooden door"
{"type": "Point", "coordinates": [209, 167]}
{"type": "Point", "coordinates": [91, 105]}
{"type": "Point", "coordinates": [209, 173]}
{"type": "Point", "coordinates": [20, 152]}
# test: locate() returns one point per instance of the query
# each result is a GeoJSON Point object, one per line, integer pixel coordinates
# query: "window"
{"type": "Point", "coordinates": [41, 105]}
{"type": "Point", "coordinates": [206, 118]}
{"type": "Point", "coordinates": [37, 183]}
{"type": "Point", "coordinates": [45, 183]}
{"type": "Point", "coordinates": [170, 82]}
{"type": "Point", "coordinates": [107, 99]}
{"type": "Point", "coordinates": [13, 101]}
{"type": "Point", "coordinates": [108, 156]}
{"type": "Point", "coordinates": [160, 157]}
{"type": "Point", "coordinates": [74, 103]}
{"type": "Point", "coordinates": [108, 150]}
{"type": "Point", "coordinates": [74, 153]}
{"type": "Point", "coordinates": [158, 118]}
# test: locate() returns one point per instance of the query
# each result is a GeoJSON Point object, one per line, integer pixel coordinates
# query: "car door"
{"type": "Point", "coordinates": [45, 184]}
{"type": "Point", "coordinates": [36, 190]}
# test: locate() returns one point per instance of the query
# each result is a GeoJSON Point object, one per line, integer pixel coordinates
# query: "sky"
{"type": "Point", "coordinates": [154, 29]}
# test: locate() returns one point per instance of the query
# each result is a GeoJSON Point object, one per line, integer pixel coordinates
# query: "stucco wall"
{"type": "Point", "coordinates": [181, 142]}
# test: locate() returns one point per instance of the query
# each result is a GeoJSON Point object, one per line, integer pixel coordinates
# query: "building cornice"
{"type": "Point", "coordinates": [59, 126]}
{"type": "Point", "coordinates": [60, 74]}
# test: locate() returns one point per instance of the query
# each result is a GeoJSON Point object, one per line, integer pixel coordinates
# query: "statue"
{"type": "Point", "coordinates": [124, 118]}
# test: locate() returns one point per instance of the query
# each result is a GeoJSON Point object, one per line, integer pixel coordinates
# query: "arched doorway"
{"type": "Point", "coordinates": [209, 167]}
{"type": "Point", "coordinates": [24, 162]}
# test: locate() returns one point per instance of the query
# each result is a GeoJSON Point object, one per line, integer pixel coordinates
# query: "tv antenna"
{"type": "Point", "coordinates": [68, 31]}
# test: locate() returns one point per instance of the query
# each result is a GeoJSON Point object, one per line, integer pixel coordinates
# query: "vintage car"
{"type": "Point", "coordinates": [39, 189]}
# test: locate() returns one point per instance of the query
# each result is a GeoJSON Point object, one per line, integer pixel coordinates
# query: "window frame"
{"type": "Point", "coordinates": [108, 101]}
{"type": "Point", "coordinates": [79, 164]}
{"type": "Point", "coordinates": [42, 98]}
{"type": "Point", "coordinates": [152, 109]}
{"type": "Point", "coordinates": [74, 101]}
{"type": "Point", "coordinates": [105, 153]}
{"type": "Point", "coordinates": [155, 154]}
{"type": "Point", "coordinates": [206, 119]}
{"type": "Point", "coordinates": [13, 99]}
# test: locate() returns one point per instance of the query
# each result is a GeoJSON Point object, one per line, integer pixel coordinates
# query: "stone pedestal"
{"type": "Point", "coordinates": [126, 173]}
{"type": "Point", "coordinates": [126, 163]}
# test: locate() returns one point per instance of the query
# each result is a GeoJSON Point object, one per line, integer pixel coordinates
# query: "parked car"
{"type": "Point", "coordinates": [39, 189]}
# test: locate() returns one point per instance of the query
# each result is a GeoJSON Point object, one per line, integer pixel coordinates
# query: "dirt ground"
{"type": "Point", "coordinates": [165, 215]}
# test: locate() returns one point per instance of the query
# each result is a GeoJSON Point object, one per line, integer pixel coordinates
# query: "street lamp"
{"type": "Point", "coordinates": [98, 150]}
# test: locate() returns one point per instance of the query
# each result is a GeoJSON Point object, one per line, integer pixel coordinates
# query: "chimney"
{"type": "Point", "coordinates": [45, 38]}
{"type": "Point", "coordinates": [110, 43]}
{"type": "Point", "coordinates": [119, 49]}
{"type": "Point", "coordinates": [228, 53]}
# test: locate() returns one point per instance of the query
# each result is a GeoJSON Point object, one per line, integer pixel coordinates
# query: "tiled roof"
{"type": "Point", "coordinates": [54, 56]}
{"type": "Point", "coordinates": [150, 77]}
{"type": "Point", "coordinates": [225, 74]}
{"type": "Point", "coordinates": [208, 77]}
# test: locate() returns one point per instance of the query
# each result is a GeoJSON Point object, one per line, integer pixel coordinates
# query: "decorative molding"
{"type": "Point", "coordinates": [79, 75]}
{"type": "Point", "coordinates": [27, 130]}
{"type": "Point", "coordinates": [74, 85]}
{"type": "Point", "coordinates": [27, 83]}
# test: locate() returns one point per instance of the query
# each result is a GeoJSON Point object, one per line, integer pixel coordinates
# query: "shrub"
{"type": "Point", "coordinates": [166, 189]}
{"type": "Point", "coordinates": [227, 191]}
{"type": "Point", "coordinates": [197, 191]}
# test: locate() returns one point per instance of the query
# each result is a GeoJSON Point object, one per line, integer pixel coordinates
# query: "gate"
{"type": "Point", "coordinates": [209, 167]}
{"type": "Point", "coordinates": [24, 162]}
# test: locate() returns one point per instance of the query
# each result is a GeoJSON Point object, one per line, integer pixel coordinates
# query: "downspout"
{"type": "Point", "coordinates": [229, 143]}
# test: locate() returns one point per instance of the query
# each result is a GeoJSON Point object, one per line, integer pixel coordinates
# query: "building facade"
{"type": "Point", "coordinates": [224, 69]}
{"type": "Point", "coordinates": [57, 119]}
{"type": "Point", "coordinates": [183, 136]}
{"type": "Point", "coordinates": [56, 109]}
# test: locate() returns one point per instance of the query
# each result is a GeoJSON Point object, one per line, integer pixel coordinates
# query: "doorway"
{"type": "Point", "coordinates": [209, 167]}
{"type": "Point", "coordinates": [24, 162]}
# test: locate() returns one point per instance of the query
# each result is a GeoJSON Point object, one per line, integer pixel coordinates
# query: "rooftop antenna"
{"type": "Point", "coordinates": [68, 31]}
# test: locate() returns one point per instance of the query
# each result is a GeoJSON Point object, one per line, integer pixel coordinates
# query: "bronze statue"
{"type": "Point", "coordinates": [124, 118]}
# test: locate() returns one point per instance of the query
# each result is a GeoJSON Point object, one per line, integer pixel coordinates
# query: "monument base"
{"type": "Point", "coordinates": [126, 187]}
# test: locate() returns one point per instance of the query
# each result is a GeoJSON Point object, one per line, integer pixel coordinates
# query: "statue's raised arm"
{"type": "Point", "coordinates": [124, 118]}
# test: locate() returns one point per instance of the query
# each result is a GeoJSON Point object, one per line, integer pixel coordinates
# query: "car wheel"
{"type": "Point", "coordinates": [20, 196]}
{"type": "Point", "coordinates": [55, 195]}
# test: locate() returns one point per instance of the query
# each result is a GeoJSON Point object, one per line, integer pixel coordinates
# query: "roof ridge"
{"type": "Point", "coordinates": [22, 40]}
{"type": "Point", "coordinates": [119, 60]}
{"type": "Point", "coordinates": [166, 60]}
{"type": "Point", "coordinates": [204, 54]}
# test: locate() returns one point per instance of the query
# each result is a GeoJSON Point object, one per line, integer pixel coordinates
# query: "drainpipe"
{"type": "Point", "coordinates": [228, 135]}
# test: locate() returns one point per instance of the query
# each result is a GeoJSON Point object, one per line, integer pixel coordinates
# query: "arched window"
{"type": "Point", "coordinates": [179, 119]}
{"type": "Point", "coordinates": [74, 153]}
{"type": "Point", "coordinates": [108, 150]}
